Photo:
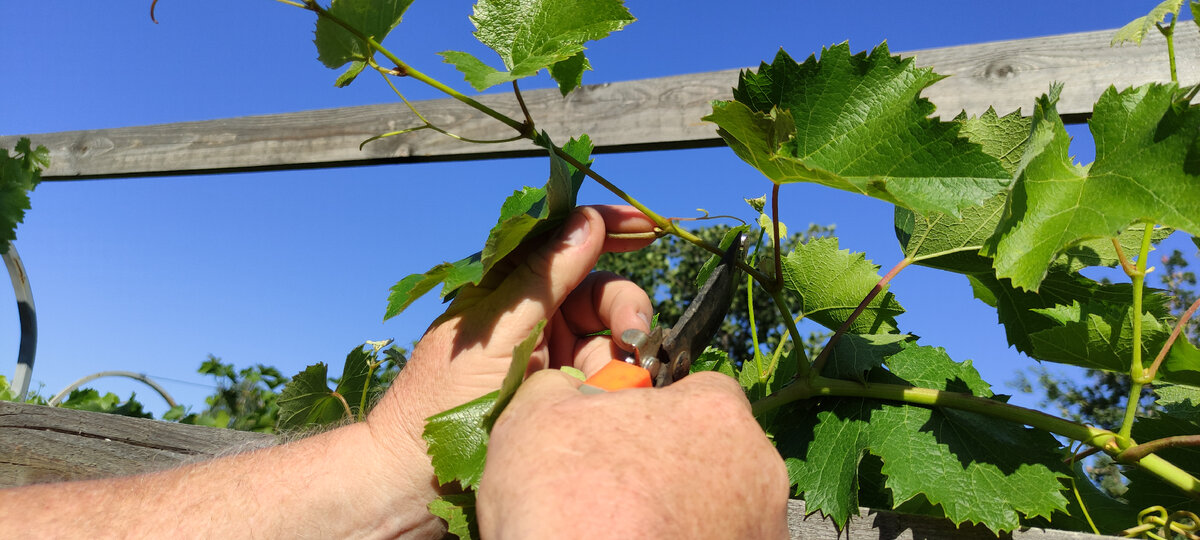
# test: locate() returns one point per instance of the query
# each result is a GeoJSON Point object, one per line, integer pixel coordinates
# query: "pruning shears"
{"type": "Point", "coordinates": [665, 355]}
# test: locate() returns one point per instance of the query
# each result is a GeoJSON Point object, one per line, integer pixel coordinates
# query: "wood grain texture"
{"type": "Point", "coordinates": [46, 444]}
{"type": "Point", "coordinates": [635, 115]}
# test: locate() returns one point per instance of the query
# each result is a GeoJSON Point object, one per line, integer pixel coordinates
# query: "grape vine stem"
{"type": "Point", "coordinates": [405, 70]}
{"type": "Point", "coordinates": [1109, 442]}
{"type": "Point", "coordinates": [1137, 371]}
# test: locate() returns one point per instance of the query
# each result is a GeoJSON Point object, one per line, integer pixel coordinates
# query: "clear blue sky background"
{"type": "Point", "coordinates": [293, 268]}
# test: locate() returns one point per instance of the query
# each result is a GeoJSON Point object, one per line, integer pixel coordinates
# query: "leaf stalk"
{"type": "Point", "coordinates": [819, 363]}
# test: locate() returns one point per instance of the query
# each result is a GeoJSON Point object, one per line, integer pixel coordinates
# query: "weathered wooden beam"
{"type": "Point", "coordinates": [49, 444]}
{"type": "Point", "coordinates": [635, 115]}
{"type": "Point", "coordinates": [44, 444]}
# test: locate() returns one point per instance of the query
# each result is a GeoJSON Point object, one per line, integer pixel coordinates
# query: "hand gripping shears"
{"type": "Point", "coordinates": [665, 355]}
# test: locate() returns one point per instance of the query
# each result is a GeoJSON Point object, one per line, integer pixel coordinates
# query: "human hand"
{"type": "Point", "coordinates": [684, 461]}
{"type": "Point", "coordinates": [466, 352]}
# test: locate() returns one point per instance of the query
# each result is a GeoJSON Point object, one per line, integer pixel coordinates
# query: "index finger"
{"type": "Point", "coordinates": [624, 220]}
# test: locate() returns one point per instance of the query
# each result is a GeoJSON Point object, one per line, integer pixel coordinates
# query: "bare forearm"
{"type": "Point", "coordinates": [333, 485]}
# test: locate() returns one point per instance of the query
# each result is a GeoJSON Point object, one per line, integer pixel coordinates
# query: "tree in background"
{"type": "Point", "coordinates": [667, 270]}
{"type": "Point", "coordinates": [244, 400]}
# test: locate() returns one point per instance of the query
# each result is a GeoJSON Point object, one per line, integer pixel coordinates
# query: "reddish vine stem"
{"type": "Point", "coordinates": [1179, 325]}
{"type": "Point", "coordinates": [1081, 455]}
{"type": "Point", "coordinates": [819, 362]}
{"type": "Point", "coordinates": [1135, 453]}
{"type": "Point", "coordinates": [529, 130]}
{"type": "Point", "coordinates": [778, 284]}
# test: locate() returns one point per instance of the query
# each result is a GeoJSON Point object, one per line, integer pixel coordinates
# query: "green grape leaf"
{"type": "Point", "coordinates": [20, 173]}
{"type": "Point", "coordinates": [1182, 364]}
{"type": "Point", "coordinates": [1100, 251]}
{"type": "Point", "coordinates": [1098, 335]}
{"type": "Point", "coordinates": [713, 359]}
{"type": "Point", "coordinates": [458, 511]}
{"type": "Point", "coordinates": [6, 390]}
{"type": "Point", "coordinates": [350, 74]}
{"type": "Point", "coordinates": [938, 240]}
{"type": "Point", "coordinates": [374, 18]}
{"type": "Point", "coordinates": [1017, 309]}
{"type": "Point", "coordinates": [88, 399]}
{"type": "Point", "coordinates": [857, 123]}
{"type": "Point", "coordinates": [525, 214]}
{"type": "Point", "coordinates": [1142, 172]}
{"type": "Point", "coordinates": [532, 35]}
{"type": "Point", "coordinates": [977, 468]}
{"type": "Point", "coordinates": [714, 260]}
{"type": "Point", "coordinates": [1135, 31]}
{"type": "Point", "coordinates": [515, 375]}
{"type": "Point", "coordinates": [944, 242]}
{"type": "Point", "coordinates": [1002, 137]}
{"type": "Point", "coordinates": [855, 355]}
{"type": "Point", "coordinates": [458, 441]}
{"type": "Point", "coordinates": [569, 72]}
{"type": "Point", "coordinates": [830, 284]}
{"type": "Point", "coordinates": [307, 400]}
{"type": "Point", "coordinates": [1180, 401]}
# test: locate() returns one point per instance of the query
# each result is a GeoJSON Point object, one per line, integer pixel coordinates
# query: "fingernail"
{"type": "Point", "coordinates": [576, 230]}
{"type": "Point", "coordinates": [644, 318]}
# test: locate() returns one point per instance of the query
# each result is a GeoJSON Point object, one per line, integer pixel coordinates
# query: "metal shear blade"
{"type": "Point", "coordinates": [668, 352]}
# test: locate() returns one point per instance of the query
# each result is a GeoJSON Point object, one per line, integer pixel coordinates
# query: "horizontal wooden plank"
{"type": "Point", "coordinates": [49, 444]}
{"type": "Point", "coordinates": [45, 444]}
{"type": "Point", "coordinates": [635, 115]}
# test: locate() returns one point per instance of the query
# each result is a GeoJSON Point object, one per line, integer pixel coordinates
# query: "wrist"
{"type": "Point", "coordinates": [397, 454]}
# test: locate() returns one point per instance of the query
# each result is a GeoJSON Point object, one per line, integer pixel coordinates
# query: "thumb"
{"type": "Point", "coordinates": [542, 388]}
{"type": "Point", "coordinates": [540, 282]}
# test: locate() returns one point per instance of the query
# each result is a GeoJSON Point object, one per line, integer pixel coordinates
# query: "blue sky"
{"type": "Point", "coordinates": [290, 268]}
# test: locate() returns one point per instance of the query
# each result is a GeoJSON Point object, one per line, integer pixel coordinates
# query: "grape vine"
{"type": "Point", "coordinates": [876, 417]}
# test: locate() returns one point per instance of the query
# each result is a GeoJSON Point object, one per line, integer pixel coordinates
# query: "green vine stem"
{"type": "Point", "coordinates": [525, 129]}
{"type": "Point", "coordinates": [819, 363]}
{"type": "Point", "coordinates": [405, 70]}
{"type": "Point", "coordinates": [1110, 442]}
{"type": "Point", "coordinates": [758, 356]}
{"type": "Point", "coordinates": [778, 284]}
{"type": "Point", "coordinates": [425, 123]}
{"type": "Point", "coordinates": [1169, 34]}
{"type": "Point", "coordinates": [362, 402]}
{"type": "Point", "coordinates": [1137, 371]}
{"type": "Point", "coordinates": [1075, 490]}
{"type": "Point", "coordinates": [803, 366]}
